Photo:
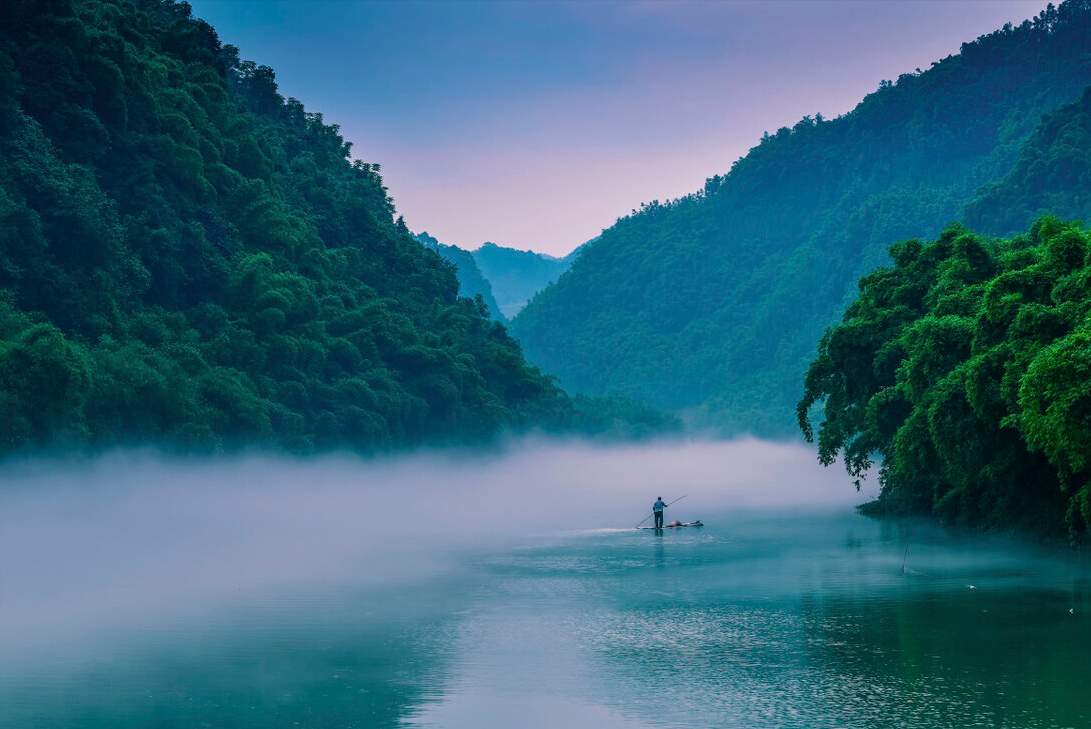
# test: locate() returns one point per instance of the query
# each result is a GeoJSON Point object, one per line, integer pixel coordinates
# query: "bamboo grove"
{"type": "Point", "coordinates": [965, 368]}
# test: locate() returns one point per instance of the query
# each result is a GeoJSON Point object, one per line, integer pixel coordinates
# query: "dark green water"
{"type": "Point", "coordinates": [759, 619]}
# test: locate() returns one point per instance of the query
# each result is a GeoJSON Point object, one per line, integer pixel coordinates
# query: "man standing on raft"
{"type": "Point", "coordinates": [657, 509]}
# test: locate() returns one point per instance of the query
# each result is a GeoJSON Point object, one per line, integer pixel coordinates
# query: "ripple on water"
{"type": "Point", "coordinates": [754, 632]}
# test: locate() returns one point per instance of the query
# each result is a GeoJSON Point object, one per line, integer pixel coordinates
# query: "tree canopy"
{"type": "Point", "coordinates": [471, 282]}
{"type": "Point", "coordinates": [1052, 175]}
{"type": "Point", "coordinates": [965, 370]}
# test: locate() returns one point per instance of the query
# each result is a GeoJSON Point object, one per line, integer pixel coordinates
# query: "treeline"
{"type": "Point", "coordinates": [471, 282]}
{"type": "Point", "coordinates": [712, 304]}
{"type": "Point", "coordinates": [965, 369]}
{"type": "Point", "coordinates": [189, 259]}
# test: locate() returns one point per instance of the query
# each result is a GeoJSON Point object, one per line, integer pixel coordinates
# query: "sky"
{"type": "Point", "coordinates": [535, 124]}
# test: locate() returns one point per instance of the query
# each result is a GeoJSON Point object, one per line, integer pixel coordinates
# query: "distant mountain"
{"type": "Point", "coordinates": [516, 276]}
{"type": "Point", "coordinates": [471, 282]}
{"type": "Point", "coordinates": [713, 304]}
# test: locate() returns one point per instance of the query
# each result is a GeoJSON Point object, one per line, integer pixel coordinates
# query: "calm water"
{"type": "Point", "coordinates": [762, 618]}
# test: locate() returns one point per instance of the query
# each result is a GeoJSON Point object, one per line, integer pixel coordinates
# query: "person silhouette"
{"type": "Point", "coordinates": [657, 509]}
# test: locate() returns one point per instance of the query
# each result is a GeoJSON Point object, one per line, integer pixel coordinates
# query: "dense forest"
{"type": "Point", "coordinates": [189, 259]}
{"type": "Point", "coordinates": [1052, 175]}
{"type": "Point", "coordinates": [712, 304]}
{"type": "Point", "coordinates": [471, 282]}
{"type": "Point", "coordinates": [965, 367]}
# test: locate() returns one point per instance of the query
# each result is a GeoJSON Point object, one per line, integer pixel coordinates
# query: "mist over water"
{"type": "Point", "coordinates": [101, 542]}
{"type": "Point", "coordinates": [448, 590]}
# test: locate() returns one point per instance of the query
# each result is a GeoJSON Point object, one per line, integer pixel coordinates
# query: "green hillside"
{"type": "Point", "coordinates": [471, 282]}
{"type": "Point", "coordinates": [965, 368]}
{"type": "Point", "coordinates": [1052, 175]}
{"type": "Point", "coordinates": [189, 259]}
{"type": "Point", "coordinates": [712, 304]}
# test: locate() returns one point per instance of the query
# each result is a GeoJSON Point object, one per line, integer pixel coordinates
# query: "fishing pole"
{"type": "Point", "coordinates": [649, 516]}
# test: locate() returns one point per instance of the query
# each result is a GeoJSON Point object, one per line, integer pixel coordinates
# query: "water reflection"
{"type": "Point", "coordinates": [950, 657]}
{"type": "Point", "coordinates": [323, 658]}
{"type": "Point", "coordinates": [660, 560]}
{"type": "Point", "coordinates": [800, 621]}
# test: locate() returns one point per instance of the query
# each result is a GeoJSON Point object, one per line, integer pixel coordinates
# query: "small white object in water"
{"type": "Point", "coordinates": [972, 587]}
{"type": "Point", "coordinates": [1072, 610]}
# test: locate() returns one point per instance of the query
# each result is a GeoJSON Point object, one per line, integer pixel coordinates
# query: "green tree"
{"type": "Point", "coordinates": [964, 369]}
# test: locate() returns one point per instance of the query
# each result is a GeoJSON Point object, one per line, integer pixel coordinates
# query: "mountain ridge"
{"type": "Point", "coordinates": [712, 304]}
{"type": "Point", "coordinates": [471, 281]}
{"type": "Point", "coordinates": [517, 275]}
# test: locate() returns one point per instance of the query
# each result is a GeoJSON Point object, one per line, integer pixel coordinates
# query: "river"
{"type": "Point", "coordinates": [512, 591]}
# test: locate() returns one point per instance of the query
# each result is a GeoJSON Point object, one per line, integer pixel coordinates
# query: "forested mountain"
{"type": "Point", "coordinates": [1052, 175]}
{"type": "Point", "coordinates": [713, 303]}
{"type": "Point", "coordinates": [506, 278]}
{"type": "Point", "coordinates": [188, 258]}
{"type": "Point", "coordinates": [471, 282]}
{"type": "Point", "coordinates": [516, 276]}
{"type": "Point", "coordinates": [966, 368]}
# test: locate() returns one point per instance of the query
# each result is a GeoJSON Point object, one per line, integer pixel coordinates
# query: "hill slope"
{"type": "Point", "coordinates": [188, 258]}
{"type": "Point", "coordinates": [1052, 175]}
{"type": "Point", "coordinates": [516, 276]}
{"type": "Point", "coordinates": [713, 303]}
{"type": "Point", "coordinates": [471, 282]}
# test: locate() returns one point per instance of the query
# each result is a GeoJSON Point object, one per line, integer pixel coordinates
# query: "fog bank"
{"type": "Point", "coordinates": [135, 537]}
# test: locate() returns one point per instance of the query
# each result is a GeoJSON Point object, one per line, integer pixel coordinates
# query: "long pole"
{"type": "Point", "coordinates": [649, 516]}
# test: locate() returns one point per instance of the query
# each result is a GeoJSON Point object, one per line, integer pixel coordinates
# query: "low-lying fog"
{"type": "Point", "coordinates": [135, 537]}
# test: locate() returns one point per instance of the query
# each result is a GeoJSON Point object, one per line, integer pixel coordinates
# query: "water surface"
{"type": "Point", "coordinates": [186, 600]}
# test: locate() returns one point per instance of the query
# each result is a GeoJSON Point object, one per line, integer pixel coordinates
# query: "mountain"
{"type": "Point", "coordinates": [471, 282]}
{"type": "Point", "coordinates": [1052, 175]}
{"type": "Point", "coordinates": [712, 304]}
{"type": "Point", "coordinates": [519, 275]}
{"type": "Point", "coordinates": [190, 260]}
{"type": "Point", "coordinates": [516, 276]}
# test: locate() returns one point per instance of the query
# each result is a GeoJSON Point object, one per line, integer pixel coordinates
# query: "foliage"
{"type": "Point", "coordinates": [471, 282]}
{"type": "Point", "coordinates": [619, 418]}
{"type": "Point", "coordinates": [1052, 175]}
{"type": "Point", "coordinates": [188, 258]}
{"type": "Point", "coordinates": [966, 369]}
{"type": "Point", "coordinates": [711, 304]}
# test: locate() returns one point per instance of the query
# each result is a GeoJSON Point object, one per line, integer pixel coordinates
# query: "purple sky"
{"type": "Point", "coordinates": [535, 124]}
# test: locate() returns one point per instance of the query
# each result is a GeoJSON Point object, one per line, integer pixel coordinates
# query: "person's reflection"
{"type": "Point", "coordinates": [659, 559]}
